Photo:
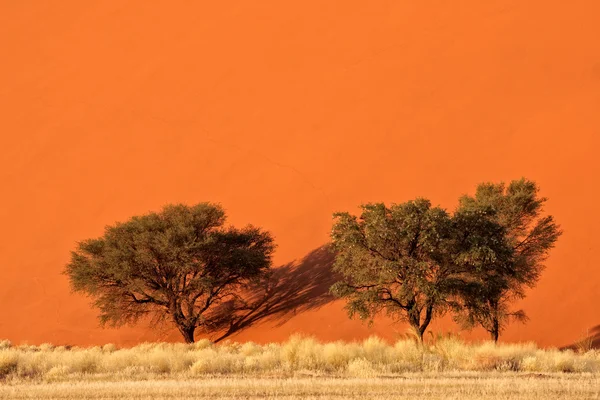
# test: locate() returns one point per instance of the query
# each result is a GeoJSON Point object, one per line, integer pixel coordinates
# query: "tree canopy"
{"type": "Point", "coordinates": [529, 235]}
{"type": "Point", "coordinates": [395, 259]}
{"type": "Point", "coordinates": [177, 264]}
{"type": "Point", "coordinates": [415, 261]}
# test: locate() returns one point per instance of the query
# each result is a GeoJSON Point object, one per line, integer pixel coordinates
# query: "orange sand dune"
{"type": "Point", "coordinates": [286, 113]}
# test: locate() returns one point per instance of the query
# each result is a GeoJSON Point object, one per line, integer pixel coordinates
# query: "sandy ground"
{"type": "Point", "coordinates": [467, 387]}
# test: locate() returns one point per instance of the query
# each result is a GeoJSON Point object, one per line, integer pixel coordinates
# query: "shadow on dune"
{"type": "Point", "coordinates": [592, 341]}
{"type": "Point", "coordinates": [291, 289]}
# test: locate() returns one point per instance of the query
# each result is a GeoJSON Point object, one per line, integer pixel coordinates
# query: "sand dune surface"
{"type": "Point", "coordinates": [285, 112]}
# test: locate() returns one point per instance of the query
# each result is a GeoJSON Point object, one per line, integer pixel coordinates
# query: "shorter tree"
{"type": "Point", "coordinates": [485, 257]}
{"type": "Point", "coordinates": [529, 236]}
{"type": "Point", "coordinates": [178, 264]}
{"type": "Point", "coordinates": [395, 259]}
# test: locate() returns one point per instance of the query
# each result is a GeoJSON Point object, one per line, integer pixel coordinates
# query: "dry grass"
{"type": "Point", "coordinates": [413, 386]}
{"type": "Point", "coordinates": [301, 367]}
{"type": "Point", "coordinates": [370, 358]}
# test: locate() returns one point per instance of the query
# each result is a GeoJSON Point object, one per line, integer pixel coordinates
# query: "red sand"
{"type": "Point", "coordinates": [285, 113]}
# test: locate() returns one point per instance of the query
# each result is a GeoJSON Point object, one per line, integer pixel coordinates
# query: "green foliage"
{"type": "Point", "coordinates": [415, 261]}
{"type": "Point", "coordinates": [395, 259]}
{"type": "Point", "coordinates": [179, 263]}
{"type": "Point", "coordinates": [528, 234]}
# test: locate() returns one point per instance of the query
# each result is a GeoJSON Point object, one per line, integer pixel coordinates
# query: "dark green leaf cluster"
{"type": "Point", "coordinates": [411, 260]}
{"type": "Point", "coordinates": [395, 259]}
{"type": "Point", "coordinates": [415, 261]}
{"type": "Point", "coordinates": [178, 263]}
{"type": "Point", "coordinates": [518, 209]}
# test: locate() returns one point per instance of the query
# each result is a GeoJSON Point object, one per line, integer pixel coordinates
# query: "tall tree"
{"type": "Point", "coordinates": [529, 234]}
{"type": "Point", "coordinates": [178, 264]}
{"type": "Point", "coordinates": [395, 260]}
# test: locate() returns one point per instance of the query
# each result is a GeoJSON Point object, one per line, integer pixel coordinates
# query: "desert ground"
{"type": "Point", "coordinates": [480, 386]}
{"type": "Point", "coordinates": [301, 367]}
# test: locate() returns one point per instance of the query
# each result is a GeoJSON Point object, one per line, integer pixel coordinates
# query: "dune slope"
{"type": "Point", "coordinates": [285, 113]}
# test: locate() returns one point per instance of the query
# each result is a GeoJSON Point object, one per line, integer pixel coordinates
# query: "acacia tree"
{"type": "Point", "coordinates": [395, 259]}
{"type": "Point", "coordinates": [484, 255]}
{"type": "Point", "coordinates": [529, 234]}
{"type": "Point", "coordinates": [178, 264]}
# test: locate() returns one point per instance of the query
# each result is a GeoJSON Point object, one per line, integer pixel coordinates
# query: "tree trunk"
{"type": "Point", "coordinates": [185, 326]}
{"type": "Point", "coordinates": [187, 333]}
{"type": "Point", "coordinates": [414, 319]}
{"type": "Point", "coordinates": [494, 335]}
{"type": "Point", "coordinates": [495, 332]}
{"type": "Point", "coordinates": [426, 321]}
{"type": "Point", "coordinates": [417, 331]}
{"type": "Point", "coordinates": [419, 335]}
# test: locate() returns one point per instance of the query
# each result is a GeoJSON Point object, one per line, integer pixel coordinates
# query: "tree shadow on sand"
{"type": "Point", "coordinates": [591, 341]}
{"type": "Point", "coordinates": [290, 290]}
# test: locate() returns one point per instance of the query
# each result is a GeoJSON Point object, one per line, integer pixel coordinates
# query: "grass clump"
{"type": "Point", "coordinates": [299, 355]}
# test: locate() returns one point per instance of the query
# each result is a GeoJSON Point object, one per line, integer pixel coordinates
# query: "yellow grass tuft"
{"type": "Point", "coordinates": [298, 355]}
